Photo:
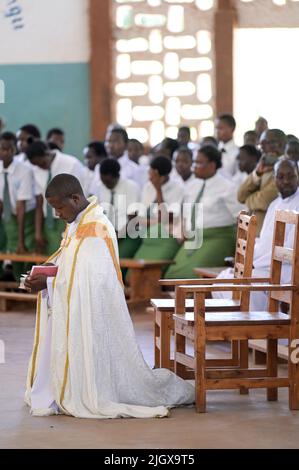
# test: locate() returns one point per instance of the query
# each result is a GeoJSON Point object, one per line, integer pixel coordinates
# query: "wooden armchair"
{"type": "Point", "coordinates": [243, 325]}
{"type": "Point", "coordinates": [164, 308]}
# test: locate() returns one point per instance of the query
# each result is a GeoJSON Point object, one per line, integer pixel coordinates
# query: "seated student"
{"type": "Point", "coordinates": [17, 202]}
{"type": "Point", "coordinates": [259, 189]}
{"type": "Point", "coordinates": [247, 160]}
{"type": "Point", "coordinates": [136, 154]}
{"type": "Point", "coordinates": [115, 194]}
{"type": "Point", "coordinates": [212, 193]}
{"type": "Point", "coordinates": [250, 138]}
{"type": "Point", "coordinates": [56, 136]}
{"type": "Point", "coordinates": [225, 128]}
{"type": "Point", "coordinates": [292, 151]}
{"type": "Point", "coordinates": [94, 154]}
{"type": "Point", "coordinates": [161, 201]}
{"type": "Point", "coordinates": [26, 135]}
{"type": "Point", "coordinates": [287, 181]}
{"type": "Point", "coordinates": [47, 165]}
{"type": "Point", "coordinates": [183, 164]}
{"type": "Point", "coordinates": [116, 146]}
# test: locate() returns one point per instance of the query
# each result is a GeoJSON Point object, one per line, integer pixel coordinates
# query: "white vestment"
{"type": "Point", "coordinates": [263, 252]}
{"type": "Point", "coordinates": [89, 364]}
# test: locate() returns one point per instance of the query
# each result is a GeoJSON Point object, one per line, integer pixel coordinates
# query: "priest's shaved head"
{"type": "Point", "coordinates": [65, 194]}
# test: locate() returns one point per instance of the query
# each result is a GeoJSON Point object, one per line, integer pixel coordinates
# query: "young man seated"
{"type": "Point", "coordinates": [161, 200]}
{"type": "Point", "coordinates": [184, 166]}
{"type": "Point", "coordinates": [259, 188]}
{"type": "Point", "coordinates": [247, 161]}
{"type": "Point", "coordinates": [116, 194]}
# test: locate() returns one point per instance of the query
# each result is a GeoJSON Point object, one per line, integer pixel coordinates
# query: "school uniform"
{"type": "Point", "coordinates": [210, 218]}
{"type": "Point", "coordinates": [53, 226]}
{"type": "Point", "coordinates": [17, 184]}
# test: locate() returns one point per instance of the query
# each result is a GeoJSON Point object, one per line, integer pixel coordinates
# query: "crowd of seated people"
{"type": "Point", "coordinates": [176, 201]}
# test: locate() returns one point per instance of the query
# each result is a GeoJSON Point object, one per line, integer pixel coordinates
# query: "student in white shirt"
{"type": "Point", "coordinates": [117, 196]}
{"type": "Point", "coordinates": [225, 128]}
{"type": "Point", "coordinates": [49, 164]}
{"type": "Point", "coordinates": [161, 207]}
{"type": "Point", "coordinates": [136, 154]}
{"type": "Point", "coordinates": [287, 181]}
{"type": "Point", "coordinates": [26, 135]}
{"type": "Point", "coordinates": [116, 146]}
{"type": "Point", "coordinates": [183, 165]}
{"type": "Point", "coordinates": [17, 202]}
{"type": "Point", "coordinates": [56, 136]}
{"type": "Point", "coordinates": [94, 154]}
{"type": "Point", "coordinates": [210, 220]}
{"type": "Point", "coordinates": [247, 159]}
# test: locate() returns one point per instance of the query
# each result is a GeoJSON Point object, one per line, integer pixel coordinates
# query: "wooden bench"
{"type": "Point", "coordinates": [144, 278]}
{"type": "Point", "coordinates": [7, 299]}
{"type": "Point", "coordinates": [25, 258]}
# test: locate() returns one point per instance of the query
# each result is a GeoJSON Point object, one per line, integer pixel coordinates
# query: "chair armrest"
{"type": "Point", "coordinates": [239, 288]}
{"type": "Point", "coordinates": [203, 282]}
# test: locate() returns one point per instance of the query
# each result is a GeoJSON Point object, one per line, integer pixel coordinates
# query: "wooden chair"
{"type": "Point", "coordinates": [164, 309]}
{"type": "Point", "coordinates": [243, 325]}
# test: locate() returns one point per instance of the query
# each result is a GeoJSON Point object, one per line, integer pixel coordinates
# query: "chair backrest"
{"type": "Point", "coordinates": [285, 259]}
{"type": "Point", "coordinates": [246, 233]}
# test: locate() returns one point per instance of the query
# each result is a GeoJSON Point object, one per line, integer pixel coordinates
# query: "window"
{"type": "Point", "coordinates": [163, 67]}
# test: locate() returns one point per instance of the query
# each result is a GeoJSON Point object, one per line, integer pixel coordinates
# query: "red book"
{"type": "Point", "coordinates": [49, 271]}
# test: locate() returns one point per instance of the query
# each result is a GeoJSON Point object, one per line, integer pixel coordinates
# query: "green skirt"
{"type": "Point", "coordinates": [218, 243]}
{"type": "Point", "coordinates": [9, 239]}
{"type": "Point", "coordinates": [160, 246]}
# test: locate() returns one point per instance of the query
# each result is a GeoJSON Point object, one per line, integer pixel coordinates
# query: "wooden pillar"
{"type": "Point", "coordinates": [100, 66]}
{"type": "Point", "coordinates": [225, 20]}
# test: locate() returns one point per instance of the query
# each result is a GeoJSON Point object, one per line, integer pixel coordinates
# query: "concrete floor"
{"type": "Point", "coordinates": [232, 421]}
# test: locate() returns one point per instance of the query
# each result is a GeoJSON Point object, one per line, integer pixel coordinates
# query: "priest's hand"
{"type": "Point", "coordinates": [34, 284]}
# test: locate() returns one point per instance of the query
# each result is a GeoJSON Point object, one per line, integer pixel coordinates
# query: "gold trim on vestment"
{"type": "Point", "coordinates": [66, 367]}
{"type": "Point", "coordinates": [36, 341]}
{"type": "Point", "coordinates": [96, 229]}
